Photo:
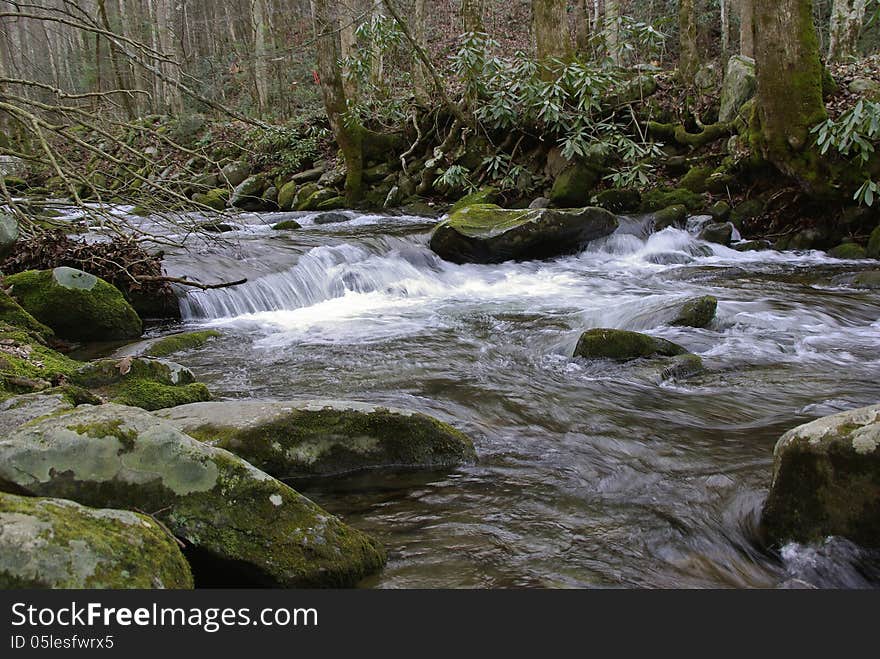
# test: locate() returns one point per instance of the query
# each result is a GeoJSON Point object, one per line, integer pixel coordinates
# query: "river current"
{"type": "Point", "coordinates": [590, 474]}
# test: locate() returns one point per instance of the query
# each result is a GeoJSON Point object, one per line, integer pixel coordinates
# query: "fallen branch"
{"type": "Point", "coordinates": [194, 284]}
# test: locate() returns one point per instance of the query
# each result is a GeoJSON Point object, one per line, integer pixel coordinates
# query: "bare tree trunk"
{"type": "Point", "coordinates": [421, 84]}
{"type": "Point", "coordinates": [114, 62]}
{"type": "Point", "coordinates": [349, 19]}
{"type": "Point", "coordinates": [550, 25]}
{"type": "Point", "coordinates": [689, 57]}
{"type": "Point", "coordinates": [377, 60]}
{"type": "Point", "coordinates": [349, 135]}
{"type": "Point", "coordinates": [847, 19]}
{"type": "Point", "coordinates": [789, 106]}
{"type": "Point", "coordinates": [725, 29]}
{"type": "Point", "coordinates": [472, 15]}
{"type": "Point", "coordinates": [260, 68]}
{"type": "Point", "coordinates": [582, 26]}
{"type": "Point", "coordinates": [747, 28]}
{"type": "Point", "coordinates": [612, 31]}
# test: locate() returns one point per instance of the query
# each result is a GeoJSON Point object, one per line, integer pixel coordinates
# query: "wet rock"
{"type": "Point", "coordinates": [169, 345]}
{"type": "Point", "coordinates": [306, 438]}
{"type": "Point", "coordinates": [75, 304]}
{"type": "Point", "coordinates": [309, 198]}
{"type": "Point", "coordinates": [331, 218]}
{"type": "Point", "coordinates": [718, 232]}
{"type": "Point", "coordinates": [826, 481]}
{"type": "Point", "coordinates": [746, 211]}
{"type": "Point", "coordinates": [287, 225]}
{"type": "Point", "coordinates": [213, 226]}
{"type": "Point", "coordinates": [489, 234]}
{"type": "Point", "coordinates": [540, 202]}
{"type": "Point", "coordinates": [720, 211]}
{"type": "Point", "coordinates": [56, 543]}
{"type": "Point", "coordinates": [574, 186]}
{"type": "Point", "coordinates": [697, 312]}
{"type": "Point", "coordinates": [669, 258]}
{"type": "Point", "coordinates": [680, 367]}
{"type": "Point", "coordinates": [245, 521]}
{"type": "Point", "coordinates": [151, 384]}
{"type": "Point", "coordinates": [215, 198]}
{"type": "Point", "coordinates": [487, 195]}
{"type": "Point", "coordinates": [623, 345]}
{"type": "Point", "coordinates": [752, 245]}
{"type": "Point", "coordinates": [873, 249]}
{"type": "Point", "coordinates": [619, 201]}
{"type": "Point", "coordinates": [869, 280]}
{"type": "Point", "coordinates": [660, 198]}
{"type": "Point", "coordinates": [671, 216]}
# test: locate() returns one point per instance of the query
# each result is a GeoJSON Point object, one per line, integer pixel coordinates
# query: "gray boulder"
{"type": "Point", "coordinates": [740, 84]}
{"type": "Point", "coordinates": [229, 511]}
{"type": "Point", "coordinates": [304, 438]}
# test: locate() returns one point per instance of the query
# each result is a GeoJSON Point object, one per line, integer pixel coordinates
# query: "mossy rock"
{"type": "Point", "coordinates": [59, 544]}
{"type": "Point", "coordinates": [18, 410]}
{"type": "Point", "coordinates": [15, 184]}
{"type": "Point", "coordinates": [11, 312]}
{"type": "Point", "coordinates": [248, 195]}
{"type": "Point", "coordinates": [331, 218]}
{"type": "Point", "coordinates": [623, 345]}
{"type": "Point", "coordinates": [151, 384]}
{"type": "Point", "coordinates": [27, 364]}
{"type": "Point", "coordinates": [663, 198]}
{"type": "Point", "coordinates": [75, 304]}
{"type": "Point", "coordinates": [574, 186]}
{"type": "Point", "coordinates": [720, 233]}
{"type": "Point", "coordinates": [868, 280]}
{"type": "Point", "coordinates": [619, 201]}
{"type": "Point", "coordinates": [315, 199]}
{"type": "Point", "coordinates": [747, 210]}
{"type": "Point", "coordinates": [489, 234]}
{"type": "Point", "coordinates": [487, 195]}
{"type": "Point", "coordinates": [287, 225]}
{"type": "Point", "coordinates": [308, 438]}
{"type": "Point", "coordinates": [873, 249]}
{"type": "Point", "coordinates": [169, 345]}
{"type": "Point", "coordinates": [671, 216]}
{"type": "Point", "coordinates": [697, 179]}
{"type": "Point", "coordinates": [720, 211]}
{"type": "Point", "coordinates": [848, 251]}
{"type": "Point", "coordinates": [287, 195]}
{"type": "Point", "coordinates": [826, 481]}
{"type": "Point", "coordinates": [697, 312]}
{"type": "Point", "coordinates": [238, 518]}
{"type": "Point", "coordinates": [216, 198]}
{"type": "Point", "coordinates": [8, 234]}
{"type": "Point", "coordinates": [339, 202]}
{"type": "Point", "coordinates": [235, 173]}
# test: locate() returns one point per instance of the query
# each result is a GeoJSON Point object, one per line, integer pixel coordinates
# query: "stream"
{"type": "Point", "coordinates": [589, 474]}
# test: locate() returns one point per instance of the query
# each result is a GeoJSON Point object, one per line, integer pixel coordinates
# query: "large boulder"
{"type": "Point", "coordinates": [235, 173]}
{"type": "Point", "coordinates": [19, 410]}
{"type": "Point", "coordinates": [489, 234]}
{"type": "Point", "coordinates": [826, 481]}
{"type": "Point", "coordinates": [696, 312]}
{"type": "Point", "coordinates": [740, 84]}
{"type": "Point", "coordinates": [287, 195]}
{"type": "Point", "coordinates": [56, 543]}
{"type": "Point", "coordinates": [151, 384]}
{"type": "Point", "coordinates": [574, 186]}
{"type": "Point", "coordinates": [238, 520]}
{"type": "Point", "coordinates": [75, 304]}
{"type": "Point", "coordinates": [623, 345]}
{"type": "Point", "coordinates": [12, 313]}
{"type": "Point", "coordinates": [248, 195]}
{"type": "Point", "coordinates": [305, 438]}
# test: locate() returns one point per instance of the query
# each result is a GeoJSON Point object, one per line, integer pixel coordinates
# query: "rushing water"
{"type": "Point", "coordinates": [589, 474]}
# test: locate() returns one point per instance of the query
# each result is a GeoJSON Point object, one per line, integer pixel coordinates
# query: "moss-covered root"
{"type": "Point", "coordinates": [56, 543]}
{"type": "Point", "coordinates": [679, 133]}
{"type": "Point", "coordinates": [112, 456]}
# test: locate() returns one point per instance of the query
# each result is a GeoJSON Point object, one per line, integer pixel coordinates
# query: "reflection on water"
{"type": "Point", "coordinates": [588, 474]}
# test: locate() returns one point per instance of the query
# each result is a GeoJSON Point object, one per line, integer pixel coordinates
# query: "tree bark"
{"type": "Point", "coordinates": [472, 15]}
{"type": "Point", "coordinates": [612, 31]}
{"type": "Point", "coordinates": [689, 57]}
{"type": "Point", "coordinates": [260, 68]}
{"type": "Point", "coordinates": [582, 27]}
{"type": "Point", "coordinates": [847, 18]}
{"type": "Point", "coordinates": [421, 83]}
{"type": "Point", "coordinates": [789, 99]}
{"type": "Point", "coordinates": [348, 133]}
{"type": "Point", "coordinates": [747, 28]}
{"type": "Point", "coordinates": [550, 26]}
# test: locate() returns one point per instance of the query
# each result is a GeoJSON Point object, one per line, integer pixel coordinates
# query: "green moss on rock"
{"type": "Point", "coordinates": [619, 201]}
{"type": "Point", "coordinates": [697, 312]}
{"type": "Point", "coordinates": [287, 225]}
{"type": "Point", "coordinates": [849, 251]}
{"type": "Point", "coordinates": [873, 249]}
{"type": "Point", "coordinates": [487, 195]}
{"type": "Point", "coordinates": [59, 544]}
{"type": "Point", "coordinates": [179, 342]}
{"type": "Point", "coordinates": [287, 195]}
{"type": "Point", "coordinates": [75, 304]}
{"type": "Point", "coordinates": [12, 313]}
{"type": "Point", "coordinates": [574, 186]}
{"type": "Point", "coordinates": [210, 498]}
{"type": "Point", "coordinates": [307, 438]}
{"type": "Point", "coordinates": [671, 216]}
{"type": "Point", "coordinates": [664, 197]}
{"type": "Point", "coordinates": [623, 345]}
{"type": "Point", "coordinates": [215, 198]}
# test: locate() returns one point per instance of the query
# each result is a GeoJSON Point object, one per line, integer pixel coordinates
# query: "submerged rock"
{"type": "Point", "coordinates": [168, 345]}
{"type": "Point", "coordinates": [697, 312]}
{"type": "Point", "coordinates": [623, 345]}
{"type": "Point", "coordinates": [331, 218]}
{"type": "Point", "coordinates": [75, 304]}
{"type": "Point", "coordinates": [720, 233]}
{"type": "Point", "coordinates": [306, 438]}
{"type": "Point", "coordinates": [489, 234]}
{"type": "Point", "coordinates": [240, 518]}
{"type": "Point", "coordinates": [287, 225]}
{"type": "Point", "coordinates": [56, 543]}
{"type": "Point", "coordinates": [151, 384]}
{"type": "Point", "coordinates": [826, 481]}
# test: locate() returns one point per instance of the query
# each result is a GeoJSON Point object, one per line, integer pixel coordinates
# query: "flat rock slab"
{"type": "Point", "coordinates": [111, 456]}
{"type": "Point", "coordinates": [319, 437]}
